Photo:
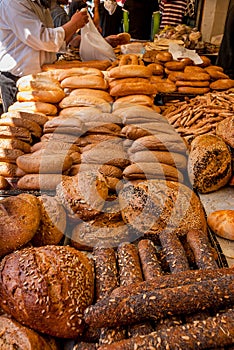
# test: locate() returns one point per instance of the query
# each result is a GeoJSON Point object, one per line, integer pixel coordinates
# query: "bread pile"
{"type": "Point", "coordinates": [18, 130]}
{"type": "Point", "coordinates": [184, 77]}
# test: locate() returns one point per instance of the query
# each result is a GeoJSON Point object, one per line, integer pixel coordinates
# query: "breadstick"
{"type": "Point", "coordinates": [200, 246]}
{"type": "Point", "coordinates": [162, 302]}
{"type": "Point", "coordinates": [213, 332]}
{"type": "Point", "coordinates": [175, 254]}
{"type": "Point", "coordinates": [149, 261]}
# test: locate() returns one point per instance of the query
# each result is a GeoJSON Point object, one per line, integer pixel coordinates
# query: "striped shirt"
{"type": "Point", "coordinates": [172, 12]}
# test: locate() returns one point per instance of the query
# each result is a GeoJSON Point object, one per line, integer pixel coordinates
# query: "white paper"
{"type": "Point", "coordinates": [179, 51]}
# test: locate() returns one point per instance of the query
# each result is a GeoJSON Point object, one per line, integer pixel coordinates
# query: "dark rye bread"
{"type": "Point", "coordinates": [19, 221]}
{"type": "Point", "coordinates": [201, 294]}
{"type": "Point", "coordinates": [213, 332]}
{"type": "Point", "coordinates": [14, 335]}
{"type": "Point", "coordinates": [155, 205]}
{"type": "Point", "coordinates": [47, 289]}
{"type": "Point", "coordinates": [209, 163]}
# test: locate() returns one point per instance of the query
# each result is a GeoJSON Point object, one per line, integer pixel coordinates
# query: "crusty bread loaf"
{"type": "Point", "coordinates": [93, 92]}
{"type": "Point", "coordinates": [222, 84]}
{"type": "Point", "coordinates": [16, 132]}
{"type": "Point", "coordinates": [35, 107]}
{"type": "Point", "coordinates": [203, 83]}
{"type": "Point", "coordinates": [225, 130]}
{"type": "Point", "coordinates": [32, 126]}
{"type": "Point", "coordinates": [209, 163]}
{"type": "Point", "coordinates": [193, 90]}
{"type": "Point", "coordinates": [53, 285]}
{"type": "Point", "coordinates": [37, 82]}
{"type": "Point", "coordinates": [20, 217]}
{"type": "Point", "coordinates": [14, 143]}
{"type": "Point", "coordinates": [138, 99]}
{"type": "Point", "coordinates": [50, 96]}
{"type": "Point", "coordinates": [52, 224]}
{"type": "Point", "coordinates": [8, 169]}
{"type": "Point", "coordinates": [39, 118]}
{"type": "Point", "coordinates": [39, 182]}
{"type": "Point", "coordinates": [86, 101]}
{"type": "Point", "coordinates": [63, 64]}
{"type": "Point", "coordinates": [163, 86]}
{"type": "Point", "coordinates": [188, 76]}
{"type": "Point", "coordinates": [78, 71]}
{"type": "Point", "coordinates": [9, 155]}
{"type": "Point", "coordinates": [175, 65]}
{"type": "Point", "coordinates": [157, 69]}
{"type": "Point", "coordinates": [124, 89]}
{"type": "Point", "coordinates": [85, 81]}
{"type": "Point", "coordinates": [61, 125]}
{"type": "Point", "coordinates": [221, 222]}
{"type": "Point", "coordinates": [132, 70]}
{"type": "Point", "coordinates": [44, 162]}
{"type": "Point", "coordinates": [150, 207]}
{"type": "Point", "coordinates": [83, 195]}
{"type": "Point", "coordinates": [14, 335]}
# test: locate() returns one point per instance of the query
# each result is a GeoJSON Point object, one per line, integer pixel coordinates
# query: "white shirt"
{"type": "Point", "coordinates": [25, 43]}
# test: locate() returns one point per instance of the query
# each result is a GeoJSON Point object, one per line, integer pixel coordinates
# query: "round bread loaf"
{"type": "Point", "coordinates": [83, 195]}
{"type": "Point", "coordinates": [47, 289]}
{"type": "Point", "coordinates": [52, 224]}
{"type": "Point", "coordinates": [221, 223]}
{"type": "Point", "coordinates": [209, 163]}
{"type": "Point", "coordinates": [156, 205]}
{"type": "Point", "coordinates": [14, 335]}
{"type": "Point", "coordinates": [19, 221]}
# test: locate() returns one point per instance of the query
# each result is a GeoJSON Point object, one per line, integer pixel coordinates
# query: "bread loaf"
{"type": "Point", "coordinates": [85, 81]}
{"type": "Point", "coordinates": [78, 71]}
{"type": "Point", "coordinates": [221, 222]}
{"type": "Point", "coordinates": [39, 182]}
{"type": "Point", "coordinates": [50, 96]}
{"type": "Point", "coordinates": [209, 163]}
{"type": "Point", "coordinates": [225, 130]}
{"type": "Point", "coordinates": [35, 107]}
{"type": "Point", "coordinates": [39, 118]}
{"type": "Point", "coordinates": [20, 218]}
{"type": "Point", "coordinates": [93, 92]}
{"type": "Point", "coordinates": [53, 285]}
{"type": "Point", "coordinates": [124, 89]}
{"type": "Point", "coordinates": [86, 101]}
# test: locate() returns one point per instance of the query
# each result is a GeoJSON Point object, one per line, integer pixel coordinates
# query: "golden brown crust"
{"type": "Point", "coordinates": [50, 96]}
{"type": "Point", "coordinates": [221, 222]}
{"type": "Point", "coordinates": [93, 92]}
{"type": "Point", "coordinates": [225, 130]}
{"type": "Point", "coordinates": [127, 71]}
{"type": "Point", "coordinates": [193, 90]}
{"type": "Point", "coordinates": [38, 182]}
{"type": "Point", "coordinates": [20, 217]}
{"type": "Point", "coordinates": [32, 126]}
{"type": "Point", "coordinates": [41, 107]}
{"type": "Point", "coordinates": [86, 101]}
{"type": "Point", "coordinates": [78, 71]}
{"type": "Point", "coordinates": [53, 285]}
{"type": "Point", "coordinates": [124, 89]}
{"type": "Point", "coordinates": [222, 84]}
{"type": "Point", "coordinates": [39, 118]}
{"type": "Point", "coordinates": [4, 184]}
{"type": "Point", "coordinates": [175, 65]}
{"type": "Point", "coordinates": [85, 81]}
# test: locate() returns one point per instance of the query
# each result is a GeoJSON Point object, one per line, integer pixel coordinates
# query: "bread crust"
{"type": "Point", "coordinates": [128, 71]}
{"type": "Point", "coordinates": [85, 81]}
{"type": "Point", "coordinates": [124, 89]}
{"type": "Point", "coordinates": [41, 107]}
{"type": "Point", "coordinates": [50, 96]}
{"type": "Point", "coordinates": [221, 223]}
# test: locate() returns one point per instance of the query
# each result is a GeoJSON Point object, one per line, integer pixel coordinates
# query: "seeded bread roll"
{"type": "Point", "coordinates": [52, 224]}
{"type": "Point", "coordinates": [209, 163]}
{"type": "Point", "coordinates": [14, 335]}
{"type": "Point", "coordinates": [52, 286]}
{"type": "Point", "coordinates": [20, 218]}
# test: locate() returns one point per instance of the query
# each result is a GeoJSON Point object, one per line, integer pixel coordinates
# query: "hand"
{"type": "Point", "coordinates": [80, 18]}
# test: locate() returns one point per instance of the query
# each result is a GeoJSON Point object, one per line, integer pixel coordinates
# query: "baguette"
{"type": "Point", "coordinates": [132, 70]}
{"type": "Point", "coordinates": [149, 261]}
{"type": "Point", "coordinates": [124, 89]}
{"type": "Point", "coordinates": [85, 81]}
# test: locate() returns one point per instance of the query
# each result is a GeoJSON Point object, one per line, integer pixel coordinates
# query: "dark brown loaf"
{"type": "Point", "coordinates": [160, 303]}
{"type": "Point", "coordinates": [154, 205]}
{"type": "Point", "coordinates": [209, 163]}
{"type": "Point", "coordinates": [20, 217]}
{"type": "Point", "coordinates": [47, 286]}
{"type": "Point", "coordinates": [14, 335]}
{"type": "Point", "coordinates": [211, 332]}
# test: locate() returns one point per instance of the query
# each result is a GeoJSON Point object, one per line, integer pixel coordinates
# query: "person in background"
{"type": "Point", "coordinates": [172, 12]}
{"type": "Point", "coordinates": [28, 40]}
{"type": "Point", "coordinates": [108, 17]}
{"type": "Point", "coordinates": [140, 17]}
{"type": "Point", "coordinates": [76, 5]}
{"type": "Point", "coordinates": [226, 51]}
{"type": "Point", "coordinates": [58, 13]}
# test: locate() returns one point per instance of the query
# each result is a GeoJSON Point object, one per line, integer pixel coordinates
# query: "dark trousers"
{"type": "Point", "coordinates": [8, 89]}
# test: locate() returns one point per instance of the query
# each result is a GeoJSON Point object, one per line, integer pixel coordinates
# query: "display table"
{"type": "Point", "coordinates": [221, 200]}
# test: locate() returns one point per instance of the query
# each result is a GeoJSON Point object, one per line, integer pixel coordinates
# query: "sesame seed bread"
{"type": "Point", "coordinates": [209, 163]}
{"type": "Point", "coordinates": [47, 289]}
{"type": "Point", "coordinates": [19, 221]}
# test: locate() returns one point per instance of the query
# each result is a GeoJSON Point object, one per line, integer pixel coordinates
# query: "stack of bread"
{"type": "Point", "coordinates": [185, 77]}
{"type": "Point", "coordinates": [18, 130]}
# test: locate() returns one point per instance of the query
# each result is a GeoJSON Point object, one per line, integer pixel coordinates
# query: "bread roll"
{"type": "Point", "coordinates": [85, 81]}
{"type": "Point", "coordinates": [36, 82]}
{"type": "Point", "coordinates": [175, 65]}
{"type": "Point", "coordinates": [188, 76]}
{"type": "Point", "coordinates": [164, 86]}
{"type": "Point", "coordinates": [93, 92]}
{"type": "Point", "coordinates": [199, 84]}
{"type": "Point", "coordinates": [124, 89]}
{"type": "Point", "coordinates": [209, 163]}
{"type": "Point", "coordinates": [39, 182]}
{"type": "Point", "coordinates": [164, 56]}
{"type": "Point", "coordinates": [221, 223]}
{"type": "Point", "coordinates": [157, 69]}
{"type": "Point", "coordinates": [113, 82]}
{"type": "Point", "coordinates": [50, 96]}
{"type": "Point", "coordinates": [53, 285]}
{"type": "Point", "coordinates": [132, 70]}
{"type": "Point", "coordinates": [222, 84]}
{"type": "Point", "coordinates": [77, 71]}
{"type": "Point", "coordinates": [41, 107]}
{"type": "Point", "coordinates": [20, 218]}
